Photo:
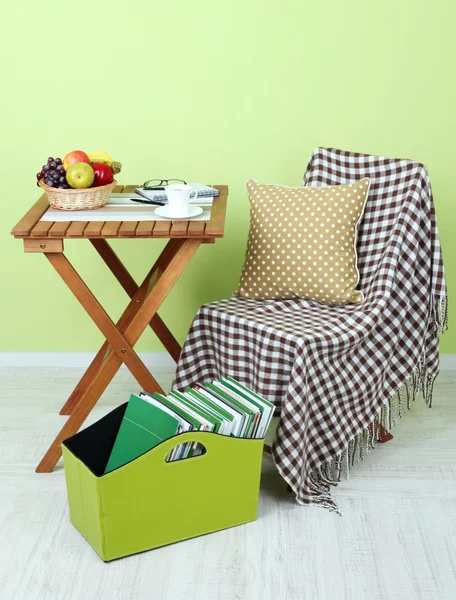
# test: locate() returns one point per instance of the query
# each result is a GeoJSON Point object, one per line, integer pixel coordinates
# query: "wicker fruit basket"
{"type": "Point", "coordinates": [83, 199]}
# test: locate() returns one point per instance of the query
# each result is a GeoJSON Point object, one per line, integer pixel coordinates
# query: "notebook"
{"type": "Point", "coordinates": [143, 427]}
{"type": "Point", "coordinates": [185, 421]}
{"type": "Point", "coordinates": [231, 400]}
{"type": "Point", "coordinates": [205, 194]}
{"type": "Point", "coordinates": [266, 407]}
{"type": "Point", "coordinates": [225, 419]}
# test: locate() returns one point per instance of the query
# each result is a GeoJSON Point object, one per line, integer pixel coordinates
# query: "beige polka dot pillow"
{"type": "Point", "coordinates": [302, 242]}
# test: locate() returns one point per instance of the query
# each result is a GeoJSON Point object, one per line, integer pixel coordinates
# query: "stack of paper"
{"type": "Point", "coordinates": [225, 407]}
{"type": "Point", "coordinates": [204, 198]}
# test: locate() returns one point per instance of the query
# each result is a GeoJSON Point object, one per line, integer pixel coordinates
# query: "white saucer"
{"type": "Point", "coordinates": [193, 211]}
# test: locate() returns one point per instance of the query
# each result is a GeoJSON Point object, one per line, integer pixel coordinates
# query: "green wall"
{"type": "Point", "coordinates": [215, 92]}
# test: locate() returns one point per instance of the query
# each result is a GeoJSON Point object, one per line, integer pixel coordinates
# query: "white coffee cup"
{"type": "Point", "coordinates": [179, 195]}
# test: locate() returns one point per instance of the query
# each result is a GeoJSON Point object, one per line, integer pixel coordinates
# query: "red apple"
{"type": "Point", "coordinates": [74, 157]}
{"type": "Point", "coordinates": [103, 174]}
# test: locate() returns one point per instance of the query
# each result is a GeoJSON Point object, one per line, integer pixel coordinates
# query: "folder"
{"type": "Point", "coordinates": [143, 427]}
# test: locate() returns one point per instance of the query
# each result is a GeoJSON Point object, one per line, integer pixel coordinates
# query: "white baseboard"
{"type": "Point", "coordinates": [448, 362]}
{"type": "Point", "coordinates": [155, 360]}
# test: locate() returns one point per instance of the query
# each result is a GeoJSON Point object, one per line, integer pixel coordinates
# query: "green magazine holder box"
{"type": "Point", "coordinates": [149, 502]}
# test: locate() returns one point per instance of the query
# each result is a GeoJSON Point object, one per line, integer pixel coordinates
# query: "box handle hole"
{"type": "Point", "coordinates": [198, 450]}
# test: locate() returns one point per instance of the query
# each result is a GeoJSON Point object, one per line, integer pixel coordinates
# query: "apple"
{"type": "Point", "coordinates": [104, 174]}
{"type": "Point", "coordinates": [80, 175]}
{"type": "Point", "coordinates": [75, 157]}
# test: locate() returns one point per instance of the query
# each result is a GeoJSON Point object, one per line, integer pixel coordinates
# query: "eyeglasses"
{"type": "Point", "coordinates": [159, 184]}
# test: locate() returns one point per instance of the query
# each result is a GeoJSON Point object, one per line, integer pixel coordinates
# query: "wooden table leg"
{"type": "Point", "coordinates": [96, 363]}
{"type": "Point", "coordinates": [114, 336]}
{"type": "Point", "coordinates": [85, 380]}
{"type": "Point", "coordinates": [137, 297]}
{"type": "Point", "coordinates": [129, 285]}
{"type": "Point", "coordinates": [181, 257]}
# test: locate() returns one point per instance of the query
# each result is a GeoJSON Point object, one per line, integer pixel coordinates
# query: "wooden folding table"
{"type": "Point", "coordinates": [47, 237]}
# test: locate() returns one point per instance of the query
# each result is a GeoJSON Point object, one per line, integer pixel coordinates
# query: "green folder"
{"type": "Point", "coordinates": [211, 407]}
{"type": "Point", "coordinates": [237, 417]}
{"type": "Point", "coordinates": [195, 424]}
{"type": "Point", "coordinates": [233, 401]}
{"type": "Point", "coordinates": [266, 407]}
{"type": "Point", "coordinates": [206, 419]}
{"type": "Point", "coordinates": [213, 421]}
{"type": "Point", "coordinates": [143, 427]}
{"type": "Point", "coordinates": [168, 401]}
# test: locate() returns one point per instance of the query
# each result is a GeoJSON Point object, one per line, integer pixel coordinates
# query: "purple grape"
{"type": "Point", "coordinates": [48, 182]}
{"type": "Point", "coordinates": [60, 168]}
{"type": "Point", "coordinates": [62, 179]}
{"type": "Point", "coordinates": [54, 175]}
{"type": "Point", "coordinates": [50, 159]}
{"type": "Point", "coordinates": [58, 161]}
{"type": "Point", "coordinates": [53, 164]}
{"type": "Point", "coordinates": [46, 168]}
{"type": "Point", "coordinates": [65, 186]}
{"type": "Point", "coordinates": [39, 175]}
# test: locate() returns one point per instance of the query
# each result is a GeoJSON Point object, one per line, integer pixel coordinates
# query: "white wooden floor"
{"type": "Point", "coordinates": [396, 540]}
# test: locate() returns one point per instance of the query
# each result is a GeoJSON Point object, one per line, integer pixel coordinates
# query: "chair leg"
{"type": "Point", "coordinates": [385, 436]}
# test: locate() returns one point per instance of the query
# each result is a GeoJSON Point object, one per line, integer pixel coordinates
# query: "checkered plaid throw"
{"type": "Point", "coordinates": [339, 373]}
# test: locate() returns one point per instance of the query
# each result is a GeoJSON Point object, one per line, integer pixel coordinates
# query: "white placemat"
{"type": "Point", "coordinates": [131, 212]}
{"type": "Point", "coordinates": [126, 199]}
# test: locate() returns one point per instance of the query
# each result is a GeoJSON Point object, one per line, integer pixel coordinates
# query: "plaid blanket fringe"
{"type": "Point", "coordinates": [330, 472]}
{"type": "Point", "coordinates": [439, 313]}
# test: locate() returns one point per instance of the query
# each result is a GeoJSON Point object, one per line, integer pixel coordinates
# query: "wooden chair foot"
{"type": "Point", "coordinates": [385, 436]}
